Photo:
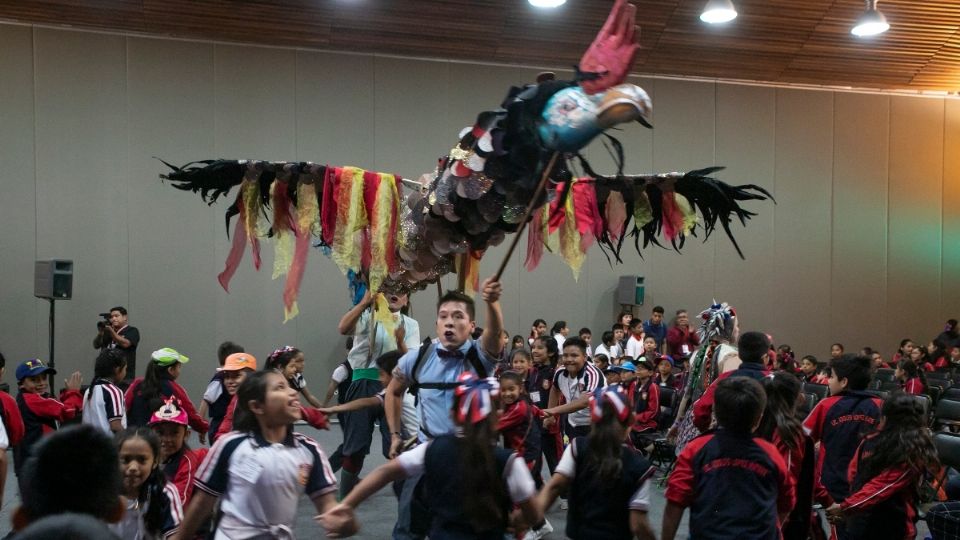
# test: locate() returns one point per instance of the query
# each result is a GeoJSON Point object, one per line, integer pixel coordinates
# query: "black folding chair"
{"type": "Point", "coordinates": [948, 448]}
{"type": "Point", "coordinates": [809, 401]}
{"type": "Point", "coordinates": [947, 414]}
{"type": "Point", "coordinates": [934, 391]}
{"type": "Point", "coordinates": [951, 393]}
{"type": "Point", "coordinates": [819, 390]}
{"type": "Point", "coordinates": [925, 403]}
{"type": "Point", "coordinates": [668, 407]}
{"type": "Point", "coordinates": [882, 394]}
{"type": "Point", "coordinates": [885, 374]}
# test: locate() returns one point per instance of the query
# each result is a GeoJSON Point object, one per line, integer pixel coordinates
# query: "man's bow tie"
{"type": "Point", "coordinates": [443, 353]}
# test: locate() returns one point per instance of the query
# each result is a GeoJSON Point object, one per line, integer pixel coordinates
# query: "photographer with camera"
{"type": "Point", "coordinates": [113, 332]}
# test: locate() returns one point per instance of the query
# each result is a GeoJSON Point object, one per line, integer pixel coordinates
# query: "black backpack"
{"type": "Point", "coordinates": [414, 388]}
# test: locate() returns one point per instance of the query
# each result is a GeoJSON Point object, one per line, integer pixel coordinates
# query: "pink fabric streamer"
{"type": "Point", "coordinates": [557, 214]}
{"type": "Point", "coordinates": [291, 289]}
{"type": "Point", "coordinates": [672, 216]}
{"type": "Point", "coordinates": [534, 241]}
{"type": "Point", "coordinates": [616, 215]}
{"type": "Point", "coordinates": [236, 250]}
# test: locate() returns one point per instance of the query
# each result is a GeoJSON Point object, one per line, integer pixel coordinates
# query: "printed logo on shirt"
{"type": "Point", "coordinates": [853, 418]}
{"type": "Point", "coordinates": [304, 473]}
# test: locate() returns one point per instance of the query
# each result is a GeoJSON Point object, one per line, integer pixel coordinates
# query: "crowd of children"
{"type": "Point", "coordinates": [755, 468]}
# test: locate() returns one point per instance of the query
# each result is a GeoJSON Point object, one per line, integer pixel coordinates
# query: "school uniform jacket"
{"type": "Point", "coordinates": [884, 506]}
{"type": "Point", "coordinates": [913, 386]}
{"type": "Point", "coordinates": [521, 430]}
{"type": "Point", "coordinates": [734, 485]}
{"type": "Point", "coordinates": [12, 420]}
{"type": "Point", "coordinates": [838, 423]}
{"type": "Point", "coordinates": [42, 415]}
{"type": "Point", "coordinates": [703, 408]}
{"type": "Point", "coordinates": [647, 406]}
{"type": "Point", "coordinates": [181, 468]}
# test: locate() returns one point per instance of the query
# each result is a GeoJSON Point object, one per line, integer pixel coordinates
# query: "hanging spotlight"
{"type": "Point", "coordinates": [718, 11]}
{"type": "Point", "coordinates": [547, 3]}
{"type": "Point", "coordinates": [871, 22]}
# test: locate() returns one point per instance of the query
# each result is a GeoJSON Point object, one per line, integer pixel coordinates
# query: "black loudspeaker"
{"type": "Point", "coordinates": [631, 290]}
{"type": "Point", "coordinates": [53, 279]}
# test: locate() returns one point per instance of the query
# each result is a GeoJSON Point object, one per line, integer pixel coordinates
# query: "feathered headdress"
{"type": "Point", "coordinates": [473, 399]}
{"type": "Point", "coordinates": [718, 321]}
{"type": "Point", "coordinates": [613, 395]}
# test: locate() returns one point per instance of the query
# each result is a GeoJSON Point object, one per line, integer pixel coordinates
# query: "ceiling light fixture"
{"type": "Point", "coordinates": [871, 22]}
{"type": "Point", "coordinates": [547, 3]}
{"type": "Point", "coordinates": [718, 11]}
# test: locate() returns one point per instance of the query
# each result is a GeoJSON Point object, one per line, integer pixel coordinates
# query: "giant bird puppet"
{"type": "Point", "coordinates": [511, 168]}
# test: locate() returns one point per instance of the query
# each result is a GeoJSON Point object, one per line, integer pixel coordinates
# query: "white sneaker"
{"type": "Point", "coordinates": [537, 534]}
{"type": "Point", "coordinates": [564, 504]}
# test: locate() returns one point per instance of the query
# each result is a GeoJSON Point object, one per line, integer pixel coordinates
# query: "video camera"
{"type": "Point", "coordinates": [105, 320]}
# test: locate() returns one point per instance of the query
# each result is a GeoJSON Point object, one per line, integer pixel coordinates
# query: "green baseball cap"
{"type": "Point", "coordinates": [167, 357]}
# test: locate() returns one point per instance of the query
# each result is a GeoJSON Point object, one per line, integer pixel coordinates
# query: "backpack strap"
{"type": "Point", "coordinates": [472, 356]}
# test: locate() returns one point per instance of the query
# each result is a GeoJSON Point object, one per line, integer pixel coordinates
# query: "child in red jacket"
{"type": "Point", "coordinates": [41, 413]}
{"type": "Point", "coordinates": [178, 461]}
{"type": "Point", "coordinates": [885, 474]}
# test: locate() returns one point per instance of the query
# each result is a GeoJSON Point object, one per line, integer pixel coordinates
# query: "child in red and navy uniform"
{"type": "Point", "coordinates": [839, 422]}
{"type": "Point", "coordinates": [178, 461]}
{"type": "Point", "coordinates": [910, 377]}
{"type": "Point", "coordinates": [41, 413]}
{"type": "Point", "coordinates": [735, 484]}
{"type": "Point", "coordinates": [519, 424]}
{"type": "Point", "coordinates": [646, 406]}
{"type": "Point", "coordinates": [215, 397]}
{"type": "Point", "coordinates": [885, 474]}
{"type": "Point", "coordinates": [607, 481]}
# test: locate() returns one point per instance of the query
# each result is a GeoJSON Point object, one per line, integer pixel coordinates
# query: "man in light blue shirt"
{"type": "Point", "coordinates": [434, 377]}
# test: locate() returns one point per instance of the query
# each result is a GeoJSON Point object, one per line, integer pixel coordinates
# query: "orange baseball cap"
{"type": "Point", "coordinates": [238, 361]}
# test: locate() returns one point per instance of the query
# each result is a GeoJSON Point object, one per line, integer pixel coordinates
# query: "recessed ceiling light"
{"type": "Point", "coordinates": [718, 11]}
{"type": "Point", "coordinates": [547, 3]}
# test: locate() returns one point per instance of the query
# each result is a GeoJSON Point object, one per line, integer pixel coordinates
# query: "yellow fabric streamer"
{"type": "Point", "coordinates": [308, 211]}
{"type": "Point", "coordinates": [290, 313]}
{"type": "Point", "coordinates": [282, 253]}
{"type": "Point", "coordinates": [383, 315]}
{"type": "Point", "coordinates": [351, 218]}
{"type": "Point", "coordinates": [570, 240]}
{"type": "Point", "coordinates": [642, 211]}
{"type": "Point", "coordinates": [689, 215]}
{"type": "Point", "coordinates": [386, 206]}
{"type": "Point", "coordinates": [251, 208]}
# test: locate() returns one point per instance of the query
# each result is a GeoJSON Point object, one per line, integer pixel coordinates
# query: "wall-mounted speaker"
{"type": "Point", "coordinates": [53, 279]}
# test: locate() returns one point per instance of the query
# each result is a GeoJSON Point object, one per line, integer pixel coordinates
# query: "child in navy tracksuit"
{"type": "Point", "coordinates": [215, 397]}
{"type": "Point", "coordinates": [885, 474]}
{"type": "Point", "coordinates": [735, 484]}
{"type": "Point", "coordinates": [838, 423]}
{"type": "Point", "coordinates": [607, 480]}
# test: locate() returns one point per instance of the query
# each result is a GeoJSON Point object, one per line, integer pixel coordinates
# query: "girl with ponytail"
{"type": "Point", "coordinates": [470, 484]}
{"type": "Point", "coordinates": [153, 506]}
{"type": "Point", "coordinates": [607, 481]}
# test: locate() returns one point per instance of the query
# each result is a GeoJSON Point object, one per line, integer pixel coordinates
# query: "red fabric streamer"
{"type": "Point", "coordinates": [236, 250]}
{"type": "Point", "coordinates": [328, 208]}
{"type": "Point", "coordinates": [587, 212]}
{"type": "Point", "coordinates": [534, 241]}
{"type": "Point", "coordinates": [672, 216]}
{"type": "Point", "coordinates": [371, 181]}
{"type": "Point", "coordinates": [557, 214]}
{"type": "Point", "coordinates": [282, 217]}
{"type": "Point", "coordinates": [616, 215]}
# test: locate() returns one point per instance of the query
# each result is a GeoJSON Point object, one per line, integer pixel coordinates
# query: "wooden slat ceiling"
{"type": "Point", "coordinates": [778, 41]}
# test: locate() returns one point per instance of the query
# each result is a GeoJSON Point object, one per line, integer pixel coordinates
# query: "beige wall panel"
{"type": "Point", "coordinates": [23, 318]}
{"type": "Point", "coordinates": [950, 275]}
{"type": "Point", "coordinates": [82, 178]}
{"type": "Point", "coordinates": [914, 237]}
{"type": "Point", "coordinates": [334, 125]}
{"type": "Point", "coordinates": [173, 234]}
{"type": "Point", "coordinates": [746, 124]}
{"type": "Point", "coordinates": [684, 139]}
{"type": "Point", "coordinates": [858, 279]}
{"type": "Point", "coordinates": [255, 118]}
{"type": "Point", "coordinates": [801, 265]}
{"type": "Point", "coordinates": [411, 111]}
